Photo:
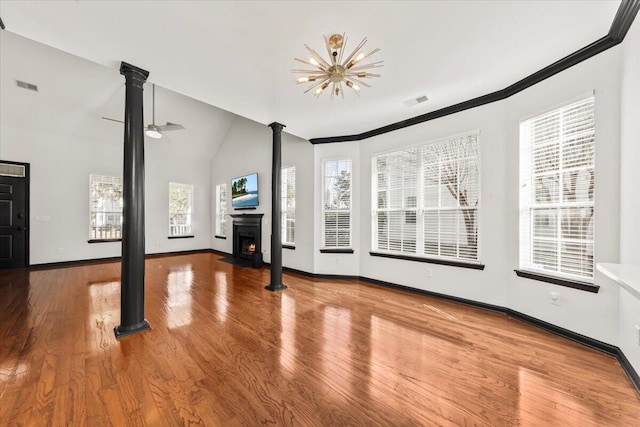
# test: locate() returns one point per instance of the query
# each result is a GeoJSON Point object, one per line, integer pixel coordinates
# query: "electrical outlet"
{"type": "Point", "coordinates": [638, 334]}
{"type": "Point", "coordinates": [554, 298]}
{"type": "Point", "coordinates": [338, 260]}
{"type": "Point", "coordinates": [428, 272]}
{"type": "Point", "coordinates": [60, 250]}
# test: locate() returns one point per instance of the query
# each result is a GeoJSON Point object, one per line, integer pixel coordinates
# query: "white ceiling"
{"type": "Point", "coordinates": [238, 55]}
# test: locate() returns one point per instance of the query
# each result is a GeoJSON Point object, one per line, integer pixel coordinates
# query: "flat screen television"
{"type": "Point", "coordinates": [244, 191]}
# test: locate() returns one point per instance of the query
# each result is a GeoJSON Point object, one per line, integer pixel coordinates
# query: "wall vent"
{"type": "Point", "coordinates": [27, 86]}
{"type": "Point", "coordinates": [415, 101]}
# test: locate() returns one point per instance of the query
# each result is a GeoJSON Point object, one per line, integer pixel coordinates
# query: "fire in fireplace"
{"type": "Point", "coordinates": [248, 247]}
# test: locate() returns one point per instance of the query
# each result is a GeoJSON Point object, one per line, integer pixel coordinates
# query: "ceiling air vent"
{"type": "Point", "coordinates": [415, 101]}
{"type": "Point", "coordinates": [26, 85]}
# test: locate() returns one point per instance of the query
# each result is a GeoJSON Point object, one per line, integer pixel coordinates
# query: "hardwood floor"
{"type": "Point", "coordinates": [223, 351]}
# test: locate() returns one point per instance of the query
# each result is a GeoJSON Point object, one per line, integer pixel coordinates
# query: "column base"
{"type": "Point", "coordinates": [275, 288]}
{"type": "Point", "coordinates": [123, 331]}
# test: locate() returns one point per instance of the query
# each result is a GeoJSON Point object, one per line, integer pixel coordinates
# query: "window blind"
{"type": "Point", "coordinates": [557, 182]}
{"type": "Point", "coordinates": [180, 209]}
{"type": "Point", "coordinates": [336, 200]}
{"type": "Point", "coordinates": [288, 204]}
{"type": "Point", "coordinates": [221, 210]}
{"type": "Point", "coordinates": [428, 198]}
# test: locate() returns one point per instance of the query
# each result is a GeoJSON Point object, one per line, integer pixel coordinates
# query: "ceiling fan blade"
{"type": "Point", "coordinates": [113, 120]}
{"type": "Point", "coordinates": [170, 126]}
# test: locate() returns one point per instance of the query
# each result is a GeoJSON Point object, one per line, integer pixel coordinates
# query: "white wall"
{"type": "Point", "coordinates": [58, 130]}
{"type": "Point", "coordinates": [630, 149]}
{"type": "Point", "coordinates": [593, 315]}
{"type": "Point", "coordinates": [247, 148]}
{"type": "Point", "coordinates": [488, 285]}
{"type": "Point", "coordinates": [630, 191]}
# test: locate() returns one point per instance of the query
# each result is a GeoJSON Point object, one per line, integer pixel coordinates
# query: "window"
{"type": "Point", "coordinates": [105, 207]}
{"type": "Point", "coordinates": [180, 209]}
{"type": "Point", "coordinates": [288, 206]}
{"type": "Point", "coordinates": [336, 200]}
{"type": "Point", "coordinates": [221, 210]}
{"type": "Point", "coordinates": [557, 181]}
{"type": "Point", "coordinates": [426, 200]}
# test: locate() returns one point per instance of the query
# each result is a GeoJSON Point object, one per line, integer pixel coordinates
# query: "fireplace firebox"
{"type": "Point", "coordinates": [247, 238]}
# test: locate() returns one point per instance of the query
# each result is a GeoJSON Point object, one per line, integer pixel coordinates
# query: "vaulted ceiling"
{"type": "Point", "coordinates": [238, 55]}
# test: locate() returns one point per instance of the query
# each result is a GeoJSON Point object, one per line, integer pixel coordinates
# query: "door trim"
{"type": "Point", "coordinates": [27, 191]}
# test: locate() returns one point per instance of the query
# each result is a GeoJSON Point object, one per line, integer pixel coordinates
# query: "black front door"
{"type": "Point", "coordinates": [13, 222]}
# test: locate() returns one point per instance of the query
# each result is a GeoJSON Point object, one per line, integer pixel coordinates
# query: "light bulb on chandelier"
{"type": "Point", "coordinates": [337, 71]}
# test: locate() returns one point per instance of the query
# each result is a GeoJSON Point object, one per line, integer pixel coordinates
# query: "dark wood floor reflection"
{"type": "Point", "coordinates": [223, 351]}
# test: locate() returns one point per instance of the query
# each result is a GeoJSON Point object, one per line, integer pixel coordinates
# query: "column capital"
{"type": "Point", "coordinates": [277, 127]}
{"type": "Point", "coordinates": [133, 75]}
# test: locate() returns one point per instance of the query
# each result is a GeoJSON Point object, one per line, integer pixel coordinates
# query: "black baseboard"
{"type": "Point", "coordinates": [221, 253]}
{"type": "Point", "coordinates": [75, 263]}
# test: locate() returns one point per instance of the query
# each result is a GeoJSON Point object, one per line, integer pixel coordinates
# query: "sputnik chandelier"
{"type": "Point", "coordinates": [337, 70]}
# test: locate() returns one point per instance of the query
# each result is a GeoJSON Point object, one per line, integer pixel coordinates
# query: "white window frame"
{"type": "Point", "coordinates": [326, 210]}
{"type": "Point", "coordinates": [185, 229]}
{"type": "Point", "coordinates": [288, 206]}
{"type": "Point", "coordinates": [111, 216]}
{"type": "Point", "coordinates": [419, 210]}
{"type": "Point", "coordinates": [528, 205]}
{"type": "Point", "coordinates": [221, 210]}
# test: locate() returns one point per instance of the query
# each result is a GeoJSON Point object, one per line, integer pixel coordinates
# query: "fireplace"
{"type": "Point", "coordinates": [247, 238]}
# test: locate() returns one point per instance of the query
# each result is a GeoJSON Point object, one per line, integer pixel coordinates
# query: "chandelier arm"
{"type": "Point", "coordinates": [317, 56]}
{"type": "Point", "coordinates": [320, 66]}
{"type": "Point", "coordinates": [362, 75]}
{"type": "Point", "coordinates": [377, 64]}
{"type": "Point", "coordinates": [344, 47]}
{"type": "Point", "coordinates": [341, 90]}
{"type": "Point", "coordinates": [306, 71]}
{"type": "Point", "coordinates": [313, 86]}
{"type": "Point", "coordinates": [360, 82]}
{"type": "Point", "coordinates": [357, 92]}
{"type": "Point", "coordinates": [328, 46]}
{"type": "Point", "coordinates": [369, 54]}
{"type": "Point", "coordinates": [355, 52]}
{"type": "Point", "coordinates": [319, 93]}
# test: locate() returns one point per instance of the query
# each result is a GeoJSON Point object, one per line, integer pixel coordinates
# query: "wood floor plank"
{"type": "Point", "coordinates": [222, 351]}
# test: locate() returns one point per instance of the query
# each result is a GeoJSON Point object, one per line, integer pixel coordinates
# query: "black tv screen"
{"type": "Point", "coordinates": [244, 191]}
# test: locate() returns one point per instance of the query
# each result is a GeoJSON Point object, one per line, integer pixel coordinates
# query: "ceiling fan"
{"type": "Point", "coordinates": [152, 130]}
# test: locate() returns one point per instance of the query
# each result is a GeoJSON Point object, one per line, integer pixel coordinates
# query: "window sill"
{"type": "Point", "coordinates": [103, 240]}
{"type": "Point", "coordinates": [450, 263]}
{"type": "Point", "coordinates": [220, 237]}
{"type": "Point", "coordinates": [575, 284]}
{"type": "Point", "coordinates": [190, 236]}
{"type": "Point", "coordinates": [292, 247]}
{"type": "Point", "coordinates": [336, 251]}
